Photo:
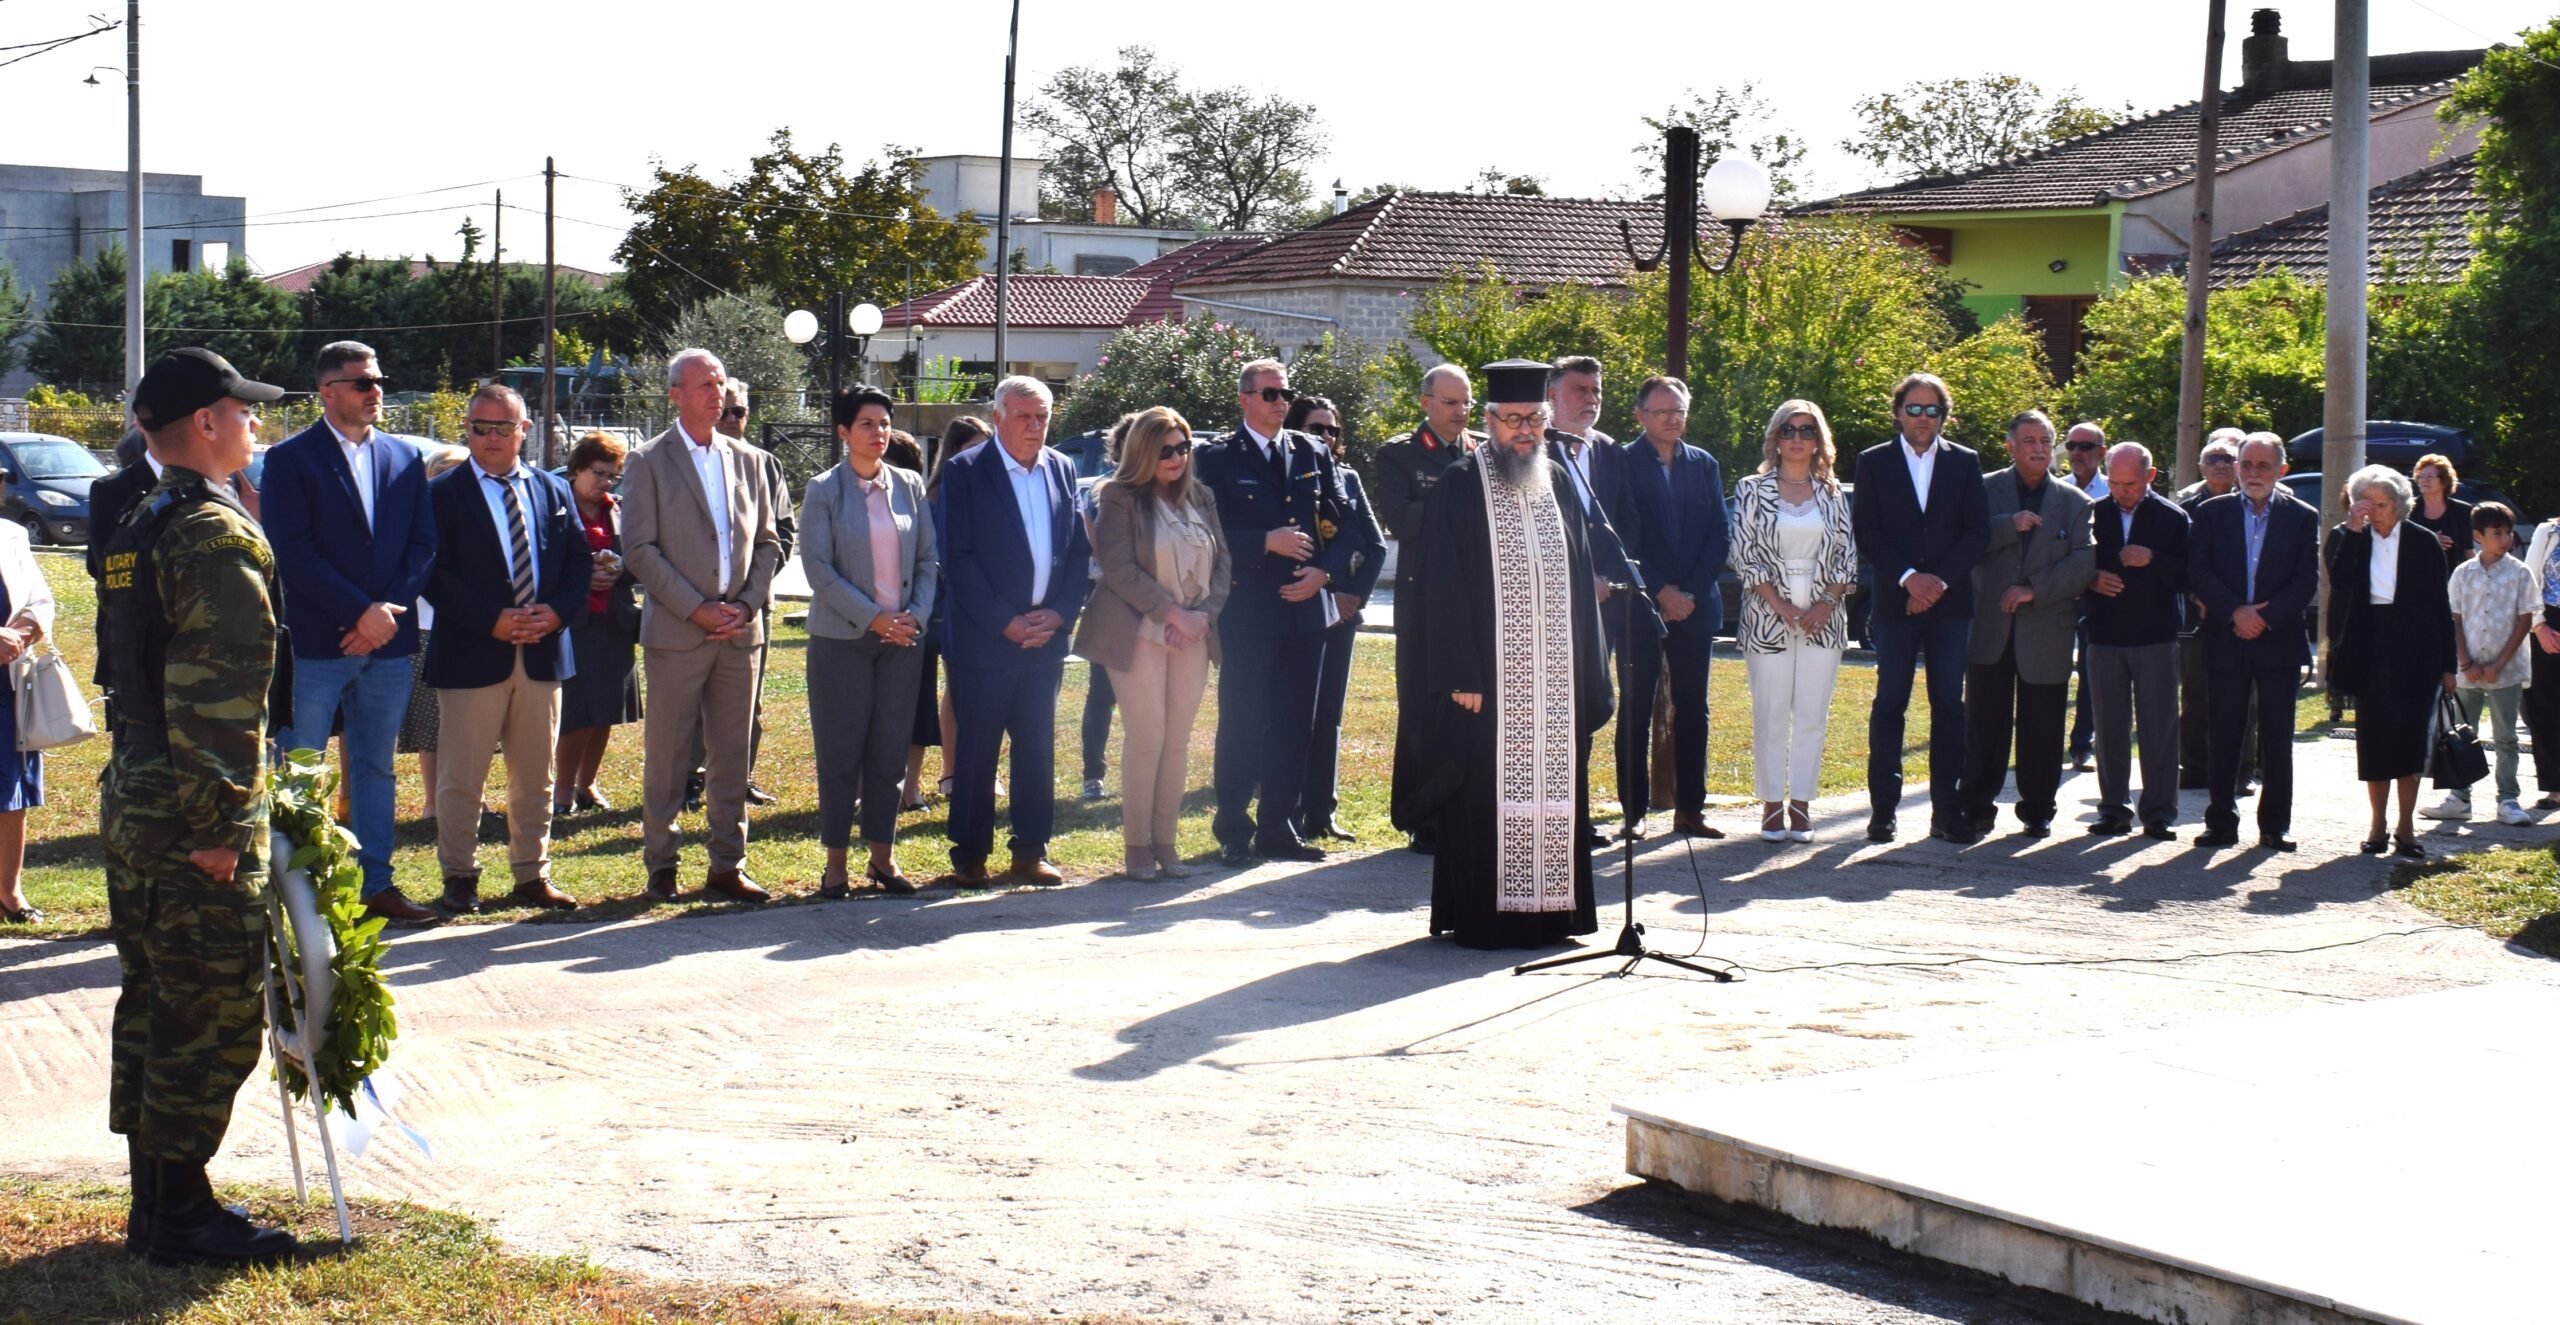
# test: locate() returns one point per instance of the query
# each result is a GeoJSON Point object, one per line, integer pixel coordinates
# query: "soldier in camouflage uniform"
{"type": "Point", "coordinates": [187, 617]}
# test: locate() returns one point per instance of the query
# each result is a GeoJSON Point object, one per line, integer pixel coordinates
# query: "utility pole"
{"type": "Point", "coordinates": [498, 287]}
{"type": "Point", "coordinates": [2342, 409]}
{"type": "Point", "coordinates": [2199, 257]}
{"type": "Point", "coordinates": [136, 261]}
{"type": "Point", "coordinates": [551, 429]}
{"type": "Point", "coordinates": [1004, 189]}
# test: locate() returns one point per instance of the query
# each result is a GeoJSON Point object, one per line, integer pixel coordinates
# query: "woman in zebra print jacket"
{"type": "Point", "coordinates": [1796, 556]}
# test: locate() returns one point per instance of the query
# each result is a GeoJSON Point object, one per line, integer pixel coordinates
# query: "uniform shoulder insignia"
{"type": "Point", "coordinates": [255, 547]}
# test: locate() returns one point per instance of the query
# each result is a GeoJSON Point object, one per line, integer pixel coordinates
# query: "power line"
{"type": "Point", "coordinates": [2450, 21]}
{"type": "Point", "coordinates": [299, 331]}
{"type": "Point", "coordinates": [632, 233]}
{"type": "Point", "coordinates": [52, 44]}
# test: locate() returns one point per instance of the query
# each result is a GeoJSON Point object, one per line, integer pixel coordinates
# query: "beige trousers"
{"type": "Point", "coordinates": [710, 688]}
{"type": "Point", "coordinates": [1159, 697]}
{"type": "Point", "coordinates": [523, 715]}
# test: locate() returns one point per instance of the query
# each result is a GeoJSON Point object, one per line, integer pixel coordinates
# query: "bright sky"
{"type": "Point", "coordinates": [313, 110]}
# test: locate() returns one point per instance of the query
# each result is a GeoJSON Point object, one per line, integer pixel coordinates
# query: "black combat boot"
{"type": "Point", "coordinates": [146, 1195]}
{"type": "Point", "coordinates": [189, 1227]}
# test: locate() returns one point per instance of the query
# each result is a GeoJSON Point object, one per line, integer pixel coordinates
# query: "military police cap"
{"type": "Point", "coordinates": [1515, 382]}
{"type": "Point", "coordinates": [181, 382]}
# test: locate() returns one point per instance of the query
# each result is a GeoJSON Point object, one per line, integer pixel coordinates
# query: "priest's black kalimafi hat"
{"type": "Point", "coordinates": [1515, 382]}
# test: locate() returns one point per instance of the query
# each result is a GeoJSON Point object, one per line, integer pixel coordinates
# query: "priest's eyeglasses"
{"type": "Point", "coordinates": [1524, 419]}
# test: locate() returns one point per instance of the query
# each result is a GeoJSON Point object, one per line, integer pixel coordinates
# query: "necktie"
{"type": "Point", "coordinates": [519, 546]}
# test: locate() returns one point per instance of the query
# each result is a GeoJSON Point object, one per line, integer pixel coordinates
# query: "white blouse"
{"type": "Point", "coordinates": [2383, 582]}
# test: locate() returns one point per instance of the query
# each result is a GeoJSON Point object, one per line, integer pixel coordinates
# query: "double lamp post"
{"type": "Point", "coordinates": [862, 320]}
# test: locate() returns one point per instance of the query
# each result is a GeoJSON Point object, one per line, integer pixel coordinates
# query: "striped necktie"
{"type": "Point", "coordinates": [519, 545]}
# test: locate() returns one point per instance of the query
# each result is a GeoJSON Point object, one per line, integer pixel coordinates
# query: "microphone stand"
{"type": "Point", "coordinates": [1630, 943]}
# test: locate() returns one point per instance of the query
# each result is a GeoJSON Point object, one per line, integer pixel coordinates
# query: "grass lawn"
{"type": "Point", "coordinates": [2510, 892]}
{"type": "Point", "coordinates": [64, 1246]}
{"type": "Point", "coordinates": [596, 857]}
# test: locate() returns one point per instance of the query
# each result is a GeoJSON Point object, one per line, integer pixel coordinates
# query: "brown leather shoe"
{"type": "Point", "coordinates": [461, 895]}
{"type": "Point", "coordinates": [539, 892]}
{"type": "Point", "coordinates": [735, 885]}
{"type": "Point", "coordinates": [662, 885]}
{"type": "Point", "coordinates": [1035, 871]}
{"type": "Point", "coordinates": [1694, 824]}
{"type": "Point", "coordinates": [400, 911]}
{"type": "Point", "coordinates": [971, 873]}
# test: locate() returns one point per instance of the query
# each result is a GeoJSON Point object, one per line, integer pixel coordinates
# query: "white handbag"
{"type": "Point", "coordinates": [52, 713]}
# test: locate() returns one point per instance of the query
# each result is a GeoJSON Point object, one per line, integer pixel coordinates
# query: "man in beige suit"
{"type": "Point", "coordinates": [2026, 593]}
{"type": "Point", "coordinates": [698, 531]}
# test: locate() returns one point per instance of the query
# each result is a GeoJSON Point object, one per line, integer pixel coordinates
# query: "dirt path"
{"type": "Point", "coordinates": [1267, 1097]}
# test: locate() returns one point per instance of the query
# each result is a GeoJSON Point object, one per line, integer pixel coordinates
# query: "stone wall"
{"type": "Point", "coordinates": [1372, 312]}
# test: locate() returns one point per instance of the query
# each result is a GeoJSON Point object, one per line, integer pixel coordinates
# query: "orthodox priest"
{"type": "Point", "coordinates": [1512, 651]}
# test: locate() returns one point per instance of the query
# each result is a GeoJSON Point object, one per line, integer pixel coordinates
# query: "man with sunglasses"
{"type": "Point", "coordinates": [345, 505]}
{"type": "Point", "coordinates": [1403, 475]}
{"type": "Point", "coordinates": [2082, 448]}
{"type": "Point", "coordinates": [1271, 485]}
{"type": "Point", "coordinates": [1922, 521]}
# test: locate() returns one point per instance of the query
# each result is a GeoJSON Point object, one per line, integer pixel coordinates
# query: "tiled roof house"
{"type": "Point", "coordinates": [2045, 233]}
{"type": "Point", "coordinates": [1055, 325]}
{"type": "Point", "coordinates": [2418, 230]}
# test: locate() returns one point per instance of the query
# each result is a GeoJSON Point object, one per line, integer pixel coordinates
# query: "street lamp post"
{"type": "Point", "coordinates": [863, 320]}
{"type": "Point", "coordinates": [1736, 193]}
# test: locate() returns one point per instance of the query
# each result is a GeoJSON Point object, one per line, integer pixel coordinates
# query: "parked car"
{"type": "Point", "coordinates": [2400, 446]}
{"type": "Point", "coordinates": [46, 482]}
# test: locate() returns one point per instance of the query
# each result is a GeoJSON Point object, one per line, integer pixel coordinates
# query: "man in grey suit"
{"type": "Point", "coordinates": [2026, 591]}
{"type": "Point", "coordinates": [698, 532]}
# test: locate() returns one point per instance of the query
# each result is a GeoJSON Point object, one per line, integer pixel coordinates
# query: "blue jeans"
{"type": "Point", "coordinates": [1903, 642]}
{"type": "Point", "coordinates": [373, 692]}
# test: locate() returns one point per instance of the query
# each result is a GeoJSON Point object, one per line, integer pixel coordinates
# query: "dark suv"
{"type": "Point", "coordinates": [45, 480]}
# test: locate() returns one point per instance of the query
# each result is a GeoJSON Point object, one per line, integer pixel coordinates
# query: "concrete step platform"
{"type": "Point", "coordinates": [2381, 1161]}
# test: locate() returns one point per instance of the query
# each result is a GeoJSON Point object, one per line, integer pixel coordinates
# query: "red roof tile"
{"type": "Point", "coordinates": [1422, 237]}
{"type": "Point", "coordinates": [1170, 270]}
{"type": "Point", "coordinates": [1030, 301]}
{"type": "Point", "coordinates": [2418, 229]}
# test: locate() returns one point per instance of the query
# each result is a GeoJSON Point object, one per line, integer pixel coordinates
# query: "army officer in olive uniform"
{"type": "Point", "coordinates": [187, 613]}
{"type": "Point", "coordinates": [1404, 472]}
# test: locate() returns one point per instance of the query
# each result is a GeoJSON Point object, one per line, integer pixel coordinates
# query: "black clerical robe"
{"type": "Point", "coordinates": [1458, 793]}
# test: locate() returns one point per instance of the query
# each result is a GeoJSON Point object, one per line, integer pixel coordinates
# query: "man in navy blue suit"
{"type": "Point", "coordinates": [1685, 538]}
{"type": "Point", "coordinates": [1272, 485]}
{"type": "Point", "coordinates": [345, 505]}
{"type": "Point", "coordinates": [1922, 521]}
{"type": "Point", "coordinates": [1016, 556]}
{"type": "Point", "coordinates": [511, 577]}
{"type": "Point", "coordinates": [2254, 559]}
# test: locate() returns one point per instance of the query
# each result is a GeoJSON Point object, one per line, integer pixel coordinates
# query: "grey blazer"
{"type": "Point", "coordinates": [835, 551]}
{"type": "Point", "coordinates": [2057, 561]}
{"type": "Point", "coordinates": [668, 539]}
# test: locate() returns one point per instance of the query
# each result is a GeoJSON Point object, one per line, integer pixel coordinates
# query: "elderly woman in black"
{"type": "Point", "coordinates": [2390, 640]}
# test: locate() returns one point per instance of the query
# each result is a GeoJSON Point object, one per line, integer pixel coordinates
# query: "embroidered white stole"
{"type": "Point", "coordinates": [1533, 699]}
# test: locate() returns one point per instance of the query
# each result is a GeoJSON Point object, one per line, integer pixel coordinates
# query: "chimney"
{"type": "Point", "coordinates": [1106, 206]}
{"type": "Point", "coordinates": [1341, 198]}
{"type": "Point", "coordinates": [2263, 57]}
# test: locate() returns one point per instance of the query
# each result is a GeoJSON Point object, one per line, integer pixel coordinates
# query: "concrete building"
{"type": "Point", "coordinates": [1099, 247]}
{"type": "Point", "coordinates": [2044, 234]}
{"type": "Point", "coordinates": [54, 216]}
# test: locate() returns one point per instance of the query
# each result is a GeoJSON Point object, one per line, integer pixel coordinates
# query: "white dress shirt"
{"type": "Point", "coordinates": [715, 490]}
{"type": "Point", "coordinates": [2383, 572]}
{"type": "Point", "coordinates": [1923, 467]}
{"type": "Point", "coordinates": [1577, 463]}
{"type": "Point", "coordinates": [493, 490]}
{"type": "Point", "coordinates": [360, 463]}
{"type": "Point", "coordinates": [1031, 497]}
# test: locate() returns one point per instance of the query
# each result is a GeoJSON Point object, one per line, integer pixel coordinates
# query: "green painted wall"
{"type": "Point", "coordinates": [2010, 257]}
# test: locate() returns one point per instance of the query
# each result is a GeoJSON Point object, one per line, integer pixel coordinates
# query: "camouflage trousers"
{"type": "Point", "coordinates": [193, 953]}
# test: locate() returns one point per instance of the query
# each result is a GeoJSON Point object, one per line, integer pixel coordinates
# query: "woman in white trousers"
{"type": "Point", "coordinates": [1796, 557]}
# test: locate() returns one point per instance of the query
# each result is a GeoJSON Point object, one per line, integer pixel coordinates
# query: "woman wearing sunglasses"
{"type": "Point", "coordinates": [1165, 575]}
{"type": "Point", "coordinates": [1351, 517]}
{"type": "Point", "coordinates": [1796, 556]}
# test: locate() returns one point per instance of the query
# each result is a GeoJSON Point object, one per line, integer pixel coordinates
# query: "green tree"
{"type": "Point", "coordinates": [81, 342]}
{"type": "Point", "coordinates": [746, 332]}
{"type": "Point", "coordinates": [2513, 98]}
{"type": "Point", "coordinates": [1242, 157]}
{"type": "Point", "coordinates": [797, 224]}
{"type": "Point", "coordinates": [1190, 366]}
{"type": "Point", "coordinates": [234, 314]}
{"type": "Point", "coordinates": [1735, 119]}
{"type": "Point", "coordinates": [1220, 158]}
{"type": "Point", "coordinates": [1949, 126]}
{"type": "Point", "coordinates": [17, 307]}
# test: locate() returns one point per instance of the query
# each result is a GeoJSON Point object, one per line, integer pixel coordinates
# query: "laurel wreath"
{"type": "Point", "coordinates": [361, 1022]}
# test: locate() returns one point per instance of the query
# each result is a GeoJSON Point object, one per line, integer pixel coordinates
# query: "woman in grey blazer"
{"type": "Point", "coordinates": [866, 544]}
{"type": "Point", "coordinates": [1165, 575]}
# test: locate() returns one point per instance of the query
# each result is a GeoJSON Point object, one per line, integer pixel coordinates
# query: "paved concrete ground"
{"type": "Point", "coordinates": [1267, 1095]}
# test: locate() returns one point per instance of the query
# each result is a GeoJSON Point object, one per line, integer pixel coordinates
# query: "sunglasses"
{"type": "Point", "coordinates": [1324, 430]}
{"type": "Point", "coordinates": [1925, 411]}
{"type": "Point", "coordinates": [493, 427]}
{"type": "Point", "coordinates": [1173, 451]}
{"type": "Point", "coordinates": [1810, 432]}
{"type": "Point", "coordinates": [361, 384]}
{"type": "Point", "coordinates": [734, 412]}
{"type": "Point", "coordinates": [1273, 395]}
{"type": "Point", "coordinates": [2079, 446]}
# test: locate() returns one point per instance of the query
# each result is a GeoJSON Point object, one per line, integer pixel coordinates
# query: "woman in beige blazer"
{"type": "Point", "coordinates": [1165, 575]}
{"type": "Point", "coordinates": [26, 602]}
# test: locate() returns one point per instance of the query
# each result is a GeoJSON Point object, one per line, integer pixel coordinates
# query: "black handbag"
{"type": "Point", "coordinates": [2457, 761]}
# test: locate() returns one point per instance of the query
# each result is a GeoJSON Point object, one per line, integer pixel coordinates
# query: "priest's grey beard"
{"type": "Point", "coordinates": [1523, 470]}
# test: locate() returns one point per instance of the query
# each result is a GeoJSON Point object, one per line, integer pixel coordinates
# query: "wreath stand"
{"type": "Point", "coordinates": [293, 911]}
